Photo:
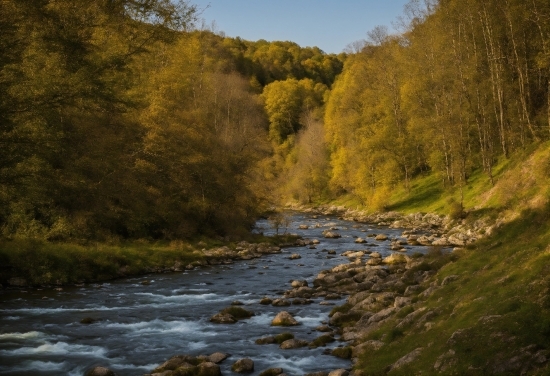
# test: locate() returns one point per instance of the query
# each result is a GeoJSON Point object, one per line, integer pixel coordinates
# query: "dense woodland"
{"type": "Point", "coordinates": [121, 119]}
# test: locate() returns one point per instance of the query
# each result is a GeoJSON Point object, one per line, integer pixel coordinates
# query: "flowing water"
{"type": "Point", "coordinates": [139, 326]}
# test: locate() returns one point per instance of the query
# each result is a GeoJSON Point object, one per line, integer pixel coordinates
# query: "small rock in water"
{"type": "Point", "coordinates": [223, 318]}
{"type": "Point", "coordinates": [245, 365]}
{"type": "Point", "coordinates": [295, 256]}
{"type": "Point", "coordinates": [218, 357]}
{"type": "Point", "coordinates": [87, 320]}
{"type": "Point", "coordinates": [237, 303]}
{"type": "Point", "coordinates": [293, 344]}
{"type": "Point", "coordinates": [100, 371]}
{"type": "Point", "coordinates": [284, 318]}
{"type": "Point", "coordinates": [266, 301]}
{"type": "Point", "coordinates": [272, 372]}
{"type": "Point", "coordinates": [280, 303]}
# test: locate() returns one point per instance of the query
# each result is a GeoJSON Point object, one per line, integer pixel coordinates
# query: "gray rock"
{"type": "Point", "coordinates": [409, 358]}
{"type": "Point", "coordinates": [401, 301]}
{"type": "Point", "coordinates": [218, 357]}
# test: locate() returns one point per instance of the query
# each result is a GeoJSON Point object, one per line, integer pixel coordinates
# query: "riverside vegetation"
{"type": "Point", "coordinates": [128, 135]}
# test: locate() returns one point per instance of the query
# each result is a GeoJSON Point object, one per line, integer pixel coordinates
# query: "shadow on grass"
{"type": "Point", "coordinates": [420, 197]}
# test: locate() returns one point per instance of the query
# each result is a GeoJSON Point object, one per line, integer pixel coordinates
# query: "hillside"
{"type": "Point", "coordinates": [482, 309]}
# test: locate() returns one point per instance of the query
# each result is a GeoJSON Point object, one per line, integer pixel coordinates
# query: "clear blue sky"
{"type": "Point", "coordinates": [328, 24]}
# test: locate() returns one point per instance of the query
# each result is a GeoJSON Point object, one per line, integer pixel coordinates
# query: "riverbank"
{"type": "Point", "coordinates": [28, 263]}
{"type": "Point", "coordinates": [481, 309]}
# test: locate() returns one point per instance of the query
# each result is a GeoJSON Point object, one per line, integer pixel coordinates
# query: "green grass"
{"type": "Point", "coordinates": [41, 262]}
{"type": "Point", "coordinates": [506, 275]}
{"type": "Point", "coordinates": [500, 303]}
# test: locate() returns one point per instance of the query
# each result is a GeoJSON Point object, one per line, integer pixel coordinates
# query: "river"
{"type": "Point", "coordinates": [139, 326]}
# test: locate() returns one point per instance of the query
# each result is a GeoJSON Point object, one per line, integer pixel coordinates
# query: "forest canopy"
{"type": "Point", "coordinates": [123, 120]}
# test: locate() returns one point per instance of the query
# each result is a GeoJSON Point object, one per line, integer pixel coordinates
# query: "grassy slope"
{"type": "Point", "coordinates": [505, 276]}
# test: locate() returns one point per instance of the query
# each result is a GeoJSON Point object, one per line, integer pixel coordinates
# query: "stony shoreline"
{"type": "Point", "coordinates": [437, 230]}
{"type": "Point", "coordinates": [205, 257]}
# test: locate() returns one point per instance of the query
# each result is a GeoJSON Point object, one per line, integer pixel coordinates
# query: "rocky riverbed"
{"type": "Point", "coordinates": [378, 271]}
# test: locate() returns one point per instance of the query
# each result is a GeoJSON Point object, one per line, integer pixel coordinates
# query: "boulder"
{"type": "Point", "coordinates": [266, 301]}
{"type": "Point", "coordinates": [360, 241]}
{"type": "Point", "coordinates": [173, 363]}
{"type": "Point", "coordinates": [245, 365]}
{"type": "Point", "coordinates": [381, 237]}
{"type": "Point", "coordinates": [209, 369]}
{"type": "Point", "coordinates": [303, 227]}
{"type": "Point", "coordinates": [395, 258]}
{"type": "Point", "coordinates": [218, 357]}
{"type": "Point", "coordinates": [374, 261]}
{"type": "Point", "coordinates": [331, 235]}
{"type": "Point", "coordinates": [223, 318]}
{"type": "Point", "coordinates": [424, 240]}
{"type": "Point", "coordinates": [441, 242]}
{"type": "Point", "coordinates": [342, 352]}
{"type": "Point", "coordinates": [284, 318]}
{"type": "Point", "coordinates": [293, 344]}
{"type": "Point", "coordinates": [272, 372]}
{"type": "Point", "coordinates": [297, 284]}
{"type": "Point", "coordinates": [402, 301]}
{"type": "Point", "coordinates": [100, 371]}
{"type": "Point", "coordinates": [355, 254]}
{"type": "Point", "coordinates": [295, 256]}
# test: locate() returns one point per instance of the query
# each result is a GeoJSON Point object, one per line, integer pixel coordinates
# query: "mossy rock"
{"type": "Point", "coordinates": [272, 372]}
{"type": "Point", "coordinates": [321, 341]}
{"type": "Point", "coordinates": [186, 371]}
{"type": "Point", "coordinates": [342, 352]}
{"type": "Point", "coordinates": [87, 320]}
{"type": "Point", "coordinates": [280, 338]}
{"type": "Point", "coordinates": [238, 312]}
